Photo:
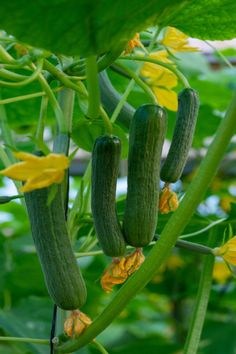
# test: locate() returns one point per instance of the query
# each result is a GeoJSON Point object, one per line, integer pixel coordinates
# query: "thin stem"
{"type": "Point", "coordinates": [170, 67]}
{"type": "Point", "coordinates": [66, 101]}
{"type": "Point", "coordinates": [41, 121]}
{"type": "Point", "coordinates": [99, 346]}
{"type": "Point", "coordinates": [27, 97]}
{"type": "Point", "coordinates": [139, 82]}
{"type": "Point", "coordinates": [201, 231]}
{"type": "Point", "coordinates": [6, 132]}
{"type": "Point", "coordinates": [25, 82]}
{"type": "Point", "coordinates": [4, 55]}
{"type": "Point", "coordinates": [106, 120]}
{"type": "Point", "coordinates": [25, 340]}
{"type": "Point", "coordinates": [78, 86]}
{"type": "Point", "coordinates": [92, 87]}
{"type": "Point", "coordinates": [222, 57]}
{"type": "Point", "coordinates": [200, 308]}
{"type": "Point", "coordinates": [54, 103]}
{"type": "Point", "coordinates": [195, 247]}
{"type": "Point", "coordinates": [171, 231]}
{"type": "Point", "coordinates": [122, 101]}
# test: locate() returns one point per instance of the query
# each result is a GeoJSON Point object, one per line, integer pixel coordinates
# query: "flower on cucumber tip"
{"type": "Point", "coordinates": [37, 171]}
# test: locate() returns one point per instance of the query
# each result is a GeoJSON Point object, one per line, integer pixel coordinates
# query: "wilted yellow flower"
{"type": "Point", "coordinates": [119, 270]}
{"type": "Point", "coordinates": [134, 42]}
{"type": "Point", "coordinates": [221, 272]}
{"type": "Point", "coordinates": [227, 251]}
{"type": "Point", "coordinates": [177, 40]}
{"type": "Point", "coordinates": [37, 171]}
{"type": "Point", "coordinates": [168, 200]}
{"type": "Point", "coordinates": [76, 323]}
{"type": "Point", "coordinates": [161, 80]}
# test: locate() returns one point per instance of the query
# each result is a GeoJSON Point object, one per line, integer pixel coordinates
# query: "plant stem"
{"type": "Point", "coordinates": [170, 67]}
{"type": "Point", "coordinates": [122, 101]}
{"type": "Point", "coordinates": [66, 101]}
{"type": "Point", "coordinates": [24, 340]}
{"type": "Point", "coordinates": [139, 82]}
{"type": "Point", "coordinates": [54, 103]}
{"type": "Point", "coordinates": [171, 231]}
{"type": "Point", "coordinates": [92, 87]}
{"type": "Point", "coordinates": [214, 223]}
{"type": "Point", "coordinates": [99, 346]}
{"type": "Point", "coordinates": [27, 97]}
{"type": "Point", "coordinates": [200, 308]}
{"type": "Point", "coordinates": [28, 80]}
{"type": "Point", "coordinates": [195, 247]}
{"type": "Point", "coordinates": [41, 121]}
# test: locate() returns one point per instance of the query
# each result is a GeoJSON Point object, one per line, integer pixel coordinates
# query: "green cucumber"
{"type": "Point", "coordinates": [105, 167]}
{"type": "Point", "coordinates": [61, 272]}
{"type": "Point", "coordinates": [110, 98]}
{"type": "Point", "coordinates": [186, 120]}
{"type": "Point", "coordinates": [147, 133]}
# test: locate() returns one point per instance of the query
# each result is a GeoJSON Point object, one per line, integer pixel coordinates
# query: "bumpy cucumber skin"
{"type": "Point", "coordinates": [147, 133]}
{"type": "Point", "coordinates": [186, 120]}
{"type": "Point", "coordinates": [62, 275]}
{"type": "Point", "coordinates": [105, 168]}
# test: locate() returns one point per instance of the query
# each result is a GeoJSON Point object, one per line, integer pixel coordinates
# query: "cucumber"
{"type": "Point", "coordinates": [61, 272]}
{"type": "Point", "coordinates": [110, 98]}
{"type": "Point", "coordinates": [105, 167]}
{"type": "Point", "coordinates": [147, 133]}
{"type": "Point", "coordinates": [186, 120]}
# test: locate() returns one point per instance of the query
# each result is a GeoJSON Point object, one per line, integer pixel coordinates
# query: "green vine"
{"type": "Point", "coordinates": [171, 232]}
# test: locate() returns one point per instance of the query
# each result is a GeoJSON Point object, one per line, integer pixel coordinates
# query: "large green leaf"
{"type": "Point", "coordinates": [214, 19]}
{"type": "Point", "coordinates": [88, 27]}
{"type": "Point", "coordinates": [79, 27]}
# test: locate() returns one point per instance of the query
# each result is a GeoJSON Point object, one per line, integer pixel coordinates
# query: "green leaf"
{"type": "Point", "coordinates": [79, 27]}
{"type": "Point", "coordinates": [215, 19]}
{"type": "Point", "coordinates": [86, 27]}
{"type": "Point", "coordinates": [85, 132]}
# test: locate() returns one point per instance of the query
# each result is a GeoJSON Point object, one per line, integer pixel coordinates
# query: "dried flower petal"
{"type": "Point", "coordinates": [168, 200]}
{"type": "Point", "coordinates": [76, 323]}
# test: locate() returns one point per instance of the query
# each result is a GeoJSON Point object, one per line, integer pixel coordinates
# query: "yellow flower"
{"type": "Point", "coordinates": [227, 251]}
{"type": "Point", "coordinates": [38, 172]}
{"type": "Point", "coordinates": [168, 200]}
{"type": "Point", "coordinates": [76, 323]}
{"type": "Point", "coordinates": [161, 80]}
{"type": "Point", "coordinates": [221, 272]}
{"type": "Point", "coordinates": [225, 203]}
{"type": "Point", "coordinates": [120, 269]}
{"type": "Point", "coordinates": [177, 40]}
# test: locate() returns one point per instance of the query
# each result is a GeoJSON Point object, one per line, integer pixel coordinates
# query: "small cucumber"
{"type": "Point", "coordinates": [147, 134]}
{"type": "Point", "coordinates": [61, 272]}
{"type": "Point", "coordinates": [186, 120]}
{"type": "Point", "coordinates": [105, 167]}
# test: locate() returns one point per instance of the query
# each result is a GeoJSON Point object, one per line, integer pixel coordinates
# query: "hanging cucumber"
{"type": "Point", "coordinates": [61, 272]}
{"type": "Point", "coordinates": [105, 167]}
{"type": "Point", "coordinates": [147, 134]}
{"type": "Point", "coordinates": [183, 136]}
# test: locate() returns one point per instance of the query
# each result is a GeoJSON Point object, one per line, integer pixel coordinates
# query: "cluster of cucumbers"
{"type": "Point", "coordinates": [146, 137]}
{"type": "Point", "coordinates": [63, 278]}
